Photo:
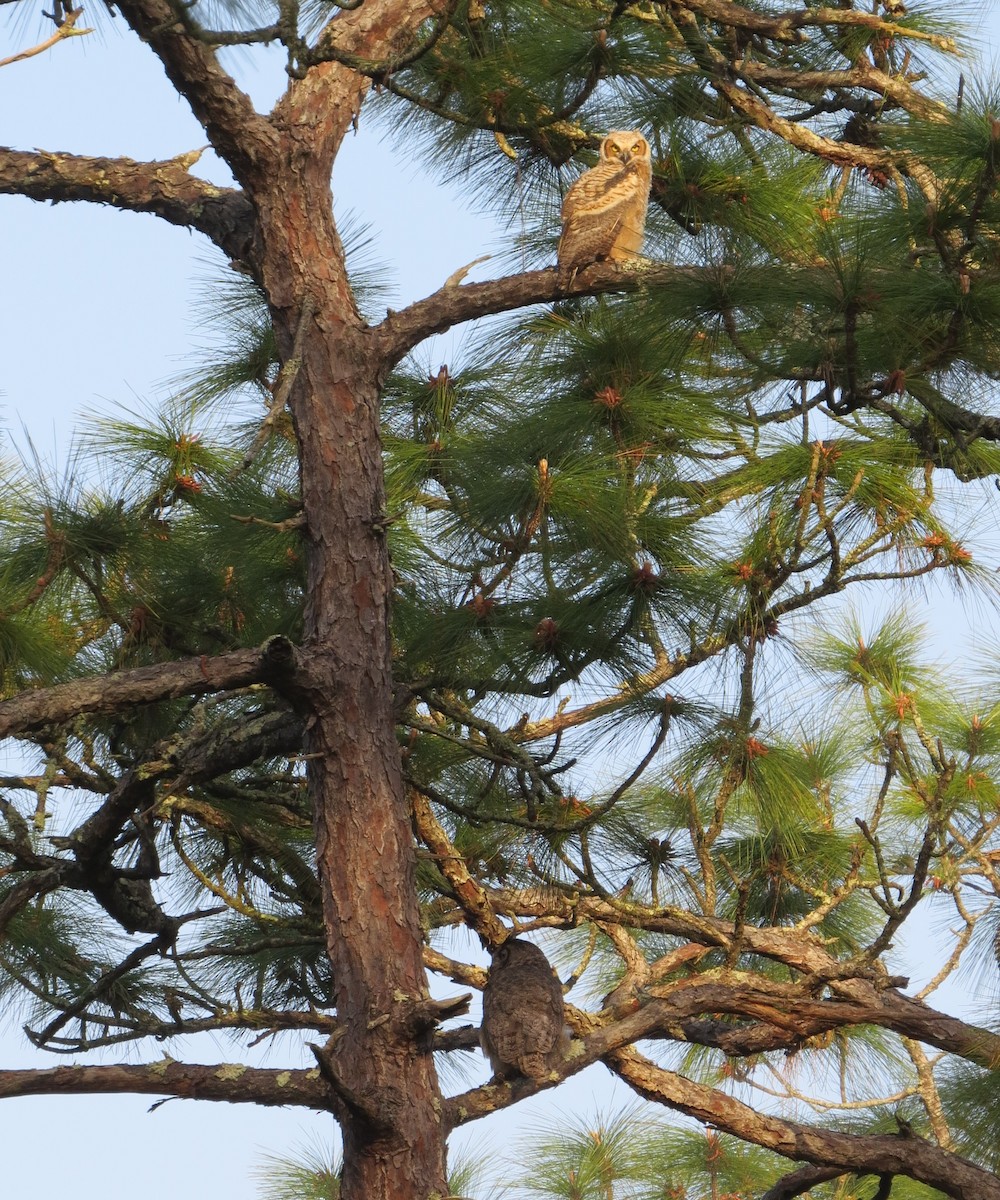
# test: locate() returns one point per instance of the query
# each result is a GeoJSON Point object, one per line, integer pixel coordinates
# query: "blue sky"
{"type": "Point", "coordinates": [98, 311]}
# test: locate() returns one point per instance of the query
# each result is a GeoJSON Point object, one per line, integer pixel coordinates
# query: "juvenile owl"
{"type": "Point", "coordinates": [604, 212]}
{"type": "Point", "coordinates": [522, 1030]}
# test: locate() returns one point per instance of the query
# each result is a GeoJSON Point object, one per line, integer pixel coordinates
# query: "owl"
{"type": "Point", "coordinates": [604, 213]}
{"type": "Point", "coordinates": [522, 1030]}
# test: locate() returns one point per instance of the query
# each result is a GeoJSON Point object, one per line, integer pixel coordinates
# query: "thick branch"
{"type": "Point", "coordinates": [240, 135]}
{"type": "Point", "coordinates": [789, 1009]}
{"type": "Point", "coordinates": [863, 1002]}
{"type": "Point", "coordinates": [231, 1082]}
{"type": "Point", "coordinates": [143, 685]}
{"type": "Point", "coordinates": [880, 1155]}
{"type": "Point", "coordinates": [166, 189]}
{"type": "Point", "coordinates": [455, 303]}
{"type": "Point", "coordinates": [222, 750]}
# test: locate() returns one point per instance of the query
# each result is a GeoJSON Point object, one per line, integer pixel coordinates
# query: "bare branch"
{"type": "Point", "coordinates": [65, 30]}
{"type": "Point", "coordinates": [229, 1082]}
{"type": "Point", "coordinates": [241, 136]}
{"type": "Point", "coordinates": [166, 188]}
{"type": "Point", "coordinates": [468, 892]}
{"type": "Point", "coordinates": [786, 26]}
{"type": "Point", "coordinates": [871, 1154]}
{"type": "Point", "coordinates": [797, 1182]}
{"type": "Point", "coordinates": [143, 685]}
{"type": "Point", "coordinates": [452, 304]}
{"type": "Point", "coordinates": [851, 984]}
{"type": "Point", "coordinates": [861, 75]}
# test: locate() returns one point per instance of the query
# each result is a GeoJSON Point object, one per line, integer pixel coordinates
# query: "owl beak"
{"type": "Point", "coordinates": [627, 157]}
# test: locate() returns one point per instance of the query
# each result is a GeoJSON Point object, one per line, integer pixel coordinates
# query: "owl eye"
{"type": "Point", "coordinates": [614, 150]}
{"type": "Point", "coordinates": [637, 148]}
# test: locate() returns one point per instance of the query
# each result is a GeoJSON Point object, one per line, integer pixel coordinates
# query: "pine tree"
{"type": "Point", "coordinates": [310, 681]}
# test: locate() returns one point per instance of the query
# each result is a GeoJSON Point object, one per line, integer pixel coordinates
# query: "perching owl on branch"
{"type": "Point", "coordinates": [604, 212]}
{"type": "Point", "coordinates": [522, 1030]}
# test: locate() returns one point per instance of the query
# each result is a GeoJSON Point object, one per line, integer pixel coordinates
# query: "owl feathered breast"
{"type": "Point", "coordinates": [604, 212]}
{"type": "Point", "coordinates": [522, 1028]}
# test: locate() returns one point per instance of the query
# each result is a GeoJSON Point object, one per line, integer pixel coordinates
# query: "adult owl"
{"type": "Point", "coordinates": [604, 212]}
{"type": "Point", "coordinates": [522, 1030]}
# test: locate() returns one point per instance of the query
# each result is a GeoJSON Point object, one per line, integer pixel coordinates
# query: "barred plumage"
{"type": "Point", "coordinates": [522, 1030]}
{"type": "Point", "coordinates": [604, 212]}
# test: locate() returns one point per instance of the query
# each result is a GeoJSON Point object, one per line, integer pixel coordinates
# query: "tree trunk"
{"type": "Point", "coordinates": [383, 1082]}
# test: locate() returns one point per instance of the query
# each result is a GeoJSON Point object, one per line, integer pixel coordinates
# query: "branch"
{"type": "Point", "coordinates": [841, 154]}
{"type": "Point", "coordinates": [853, 986]}
{"type": "Point", "coordinates": [467, 891]}
{"type": "Point", "coordinates": [165, 188]}
{"type": "Point", "coordinates": [790, 1010]}
{"type": "Point", "coordinates": [265, 1023]}
{"type": "Point", "coordinates": [194, 758]}
{"type": "Point", "coordinates": [801, 1181]}
{"type": "Point", "coordinates": [230, 1082]}
{"type": "Point", "coordinates": [860, 75]}
{"type": "Point", "coordinates": [637, 1018]}
{"type": "Point", "coordinates": [65, 30]}
{"type": "Point", "coordinates": [100, 987]}
{"type": "Point", "coordinates": [239, 134]}
{"type": "Point", "coordinates": [786, 26]}
{"type": "Point", "coordinates": [961, 420]}
{"type": "Point", "coordinates": [452, 304]}
{"type": "Point", "coordinates": [861, 1154]}
{"type": "Point", "coordinates": [607, 1035]}
{"type": "Point", "coordinates": [33, 710]}
{"type": "Point", "coordinates": [583, 1052]}
{"type": "Point", "coordinates": [224, 749]}
{"type": "Point", "coordinates": [240, 37]}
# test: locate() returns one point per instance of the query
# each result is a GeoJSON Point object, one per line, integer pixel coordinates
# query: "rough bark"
{"type": "Point", "coordinates": [379, 1071]}
{"type": "Point", "coordinates": [165, 189]}
{"type": "Point", "coordinates": [874, 1154]}
{"type": "Point", "coordinates": [384, 1085]}
{"type": "Point", "coordinates": [376, 1072]}
{"type": "Point", "coordinates": [228, 1082]}
{"type": "Point", "coordinates": [768, 1018]}
{"type": "Point", "coordinates": [142, 685]}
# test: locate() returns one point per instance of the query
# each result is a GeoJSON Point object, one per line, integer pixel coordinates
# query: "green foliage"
{"type": "Point", "coordinates": [628, 687]}
{"type": "Point", "coordinates": [970, 1095]}
{"type": "Point", "coordinates": [631, 1156]}
{"type": "Point", "coordinates": [312, 1174]}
